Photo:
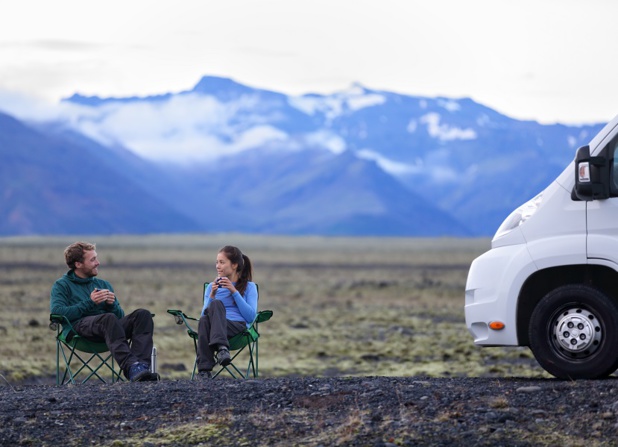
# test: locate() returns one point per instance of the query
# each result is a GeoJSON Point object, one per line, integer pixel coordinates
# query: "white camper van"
{"type": "Point", "coordinates": [550, 279]}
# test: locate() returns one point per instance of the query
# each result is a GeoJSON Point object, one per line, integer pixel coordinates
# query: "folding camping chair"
{"type": "Point", "coordinates": [96, 362]}
{"type": "Point", "coordinates": [246, 341]}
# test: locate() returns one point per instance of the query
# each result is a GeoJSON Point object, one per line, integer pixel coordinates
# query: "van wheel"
{"type": "Point", "coordinates": [574, 333]}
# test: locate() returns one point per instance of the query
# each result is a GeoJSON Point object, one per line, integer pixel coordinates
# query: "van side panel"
{"type": "Point", "coordinates": [603, 230]}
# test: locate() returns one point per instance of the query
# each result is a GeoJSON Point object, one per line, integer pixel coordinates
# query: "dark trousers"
{"type": "Point", "coordinates": [129, 339]}
{"type": "Point", "coordinates": [213, 330]}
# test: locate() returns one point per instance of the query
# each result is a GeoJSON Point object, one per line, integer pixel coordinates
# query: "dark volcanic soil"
{"type": "Point", "coordinates": [364, 411]}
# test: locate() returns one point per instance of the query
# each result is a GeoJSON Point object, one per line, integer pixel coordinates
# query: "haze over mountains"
{"type": "Point", "coordinates": [224, 157]}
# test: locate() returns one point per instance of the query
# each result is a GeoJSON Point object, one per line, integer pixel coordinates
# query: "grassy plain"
{"type": "Point", "coordinates": [342, 306]}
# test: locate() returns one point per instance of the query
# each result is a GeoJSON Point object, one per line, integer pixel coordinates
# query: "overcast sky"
{"type": "Point", "coordinates": [547, 60]}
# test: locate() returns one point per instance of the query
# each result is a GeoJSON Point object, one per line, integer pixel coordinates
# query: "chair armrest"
{"type": "Point", "coordinates": [263, 315]}
{"type": "Point", "coordinates": [181, 318]}
{"type": "Point", "coordinates": [57, 320]}
{"type": "Point", "coordinates": [180, 314]}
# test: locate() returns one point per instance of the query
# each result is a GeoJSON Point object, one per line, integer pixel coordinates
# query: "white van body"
{"type": "Point", "coordinates": [556, 244]}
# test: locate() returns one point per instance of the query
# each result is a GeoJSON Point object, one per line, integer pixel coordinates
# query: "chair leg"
{"type": "Point", "coordinates": [95, 372]}
{"type": "Point", "coordinates": [86, 365]}
{"type": "Point", "coordinates": [195, 362]}
{"type": "Point", "coordinates": [71, 376]}
{"type": "Point", "coordinates": [230, 372]}
{"type": "Point", "coordinates": [254, 360]}
{"type": "Point", "coordinates": [58, 347]}
{"type": "Point", "coordinates": [67, 367]}
{"type": "Point", "coordinates": [194, 368]}
{"type": "Point", "coordinates": [115, 375]}
{"type": "Point", "coordinates": [252, 367]}
{"type": "Point", "coordinates": [257, 340]}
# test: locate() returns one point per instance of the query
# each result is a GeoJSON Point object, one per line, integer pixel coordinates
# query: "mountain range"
{"type": "Point", "coordinates": [225, 157]}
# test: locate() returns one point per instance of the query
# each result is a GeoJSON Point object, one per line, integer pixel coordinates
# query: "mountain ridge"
{"type": "Point", "coordinates": [357, 162]}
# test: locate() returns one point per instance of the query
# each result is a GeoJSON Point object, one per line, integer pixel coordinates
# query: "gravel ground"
{"type": "Point", "coordinates": [358, 411]}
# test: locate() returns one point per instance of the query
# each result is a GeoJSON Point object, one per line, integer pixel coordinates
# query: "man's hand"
{"type": "Point", "coordinates": [102, 296]}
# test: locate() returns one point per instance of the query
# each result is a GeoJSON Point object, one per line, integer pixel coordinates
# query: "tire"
{"type": "Point", "coordinates": [574, 333]}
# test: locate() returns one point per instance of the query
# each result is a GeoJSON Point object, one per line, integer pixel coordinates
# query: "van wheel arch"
{"type": "Point", "coordinates": [544, 281]}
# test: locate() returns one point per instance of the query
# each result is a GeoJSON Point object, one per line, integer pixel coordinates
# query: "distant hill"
{"type": "Point", "coordinates": [54, 184]}
{"type": "Point", "coordinates": [318, 192]}
{"type": "Point", "coordinates": [228, 157]}
{"type": "Point", "coordinates": [64, 183]}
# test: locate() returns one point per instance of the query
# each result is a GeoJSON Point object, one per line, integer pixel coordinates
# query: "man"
{"type": "Point", "coordinates": [90, 304]}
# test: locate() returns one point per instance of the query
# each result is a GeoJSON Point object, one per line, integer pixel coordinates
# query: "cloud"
{"type": "Point", "coordinates": [26, 107]}
{"type": "Point", "coordinates": [439, 172]}
{"type": "Point", "coordinates": [183, 128]}
{"type": "Point", "coordinates": [353, 99]}
{"type": "Point", "coordinates": [392, 167]}
{"type": "Point", "coordinates": [51, 45]}
{"type": "Point", "coordinates": [326, 140]}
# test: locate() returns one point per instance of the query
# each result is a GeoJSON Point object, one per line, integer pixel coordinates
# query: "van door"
{"type": "Point", "coordinates": [602, 215]}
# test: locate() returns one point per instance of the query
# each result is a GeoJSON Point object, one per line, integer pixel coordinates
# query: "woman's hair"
{"type": "Point", "coordinates": [75, 253]}
{"type": "Point", "coordinates": [244, 269]}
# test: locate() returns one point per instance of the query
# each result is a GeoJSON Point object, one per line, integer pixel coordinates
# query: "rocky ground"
{"type": "Point", "coordinates": [358, 411]}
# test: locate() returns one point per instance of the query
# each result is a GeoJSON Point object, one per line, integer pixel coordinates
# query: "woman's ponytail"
{"type": "Point", "coordinates": [246, 274]}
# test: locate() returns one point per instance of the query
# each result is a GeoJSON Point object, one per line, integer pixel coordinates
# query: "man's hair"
{"type": "Point", "coordinates": [75, 252]}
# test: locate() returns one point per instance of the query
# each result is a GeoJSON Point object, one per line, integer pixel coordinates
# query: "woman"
{"type": "Point", "coordinates": [230, 306]}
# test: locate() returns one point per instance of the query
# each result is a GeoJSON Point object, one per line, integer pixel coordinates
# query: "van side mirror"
{"type": "Point", "coordinates": [591, 176]}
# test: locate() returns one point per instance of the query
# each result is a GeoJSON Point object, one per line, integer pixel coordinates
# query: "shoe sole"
{"type": "Point", "coordinates": [225, 362]}
{"type": "Point", "coordinates": [152, 377]}
{"type": "Point", "coordinates": [141, 377]}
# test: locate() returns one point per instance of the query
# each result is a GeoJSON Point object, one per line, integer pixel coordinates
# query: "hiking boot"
{"type": "Point", "coordinates": [223, 356]}
{"type": "Point", "coordinates": [139, 372]}
{"type": "Point", "coordinates": [204, 375]}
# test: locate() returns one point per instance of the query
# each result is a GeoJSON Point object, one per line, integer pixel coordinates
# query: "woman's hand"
{"type": "Point", "coordinates": [214, 288]}
{"type": "Point", "coordinates": [225, 282]}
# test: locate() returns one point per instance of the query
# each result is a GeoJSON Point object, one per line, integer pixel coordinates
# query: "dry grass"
{"type": "Point", "coordinates": [342, 306]}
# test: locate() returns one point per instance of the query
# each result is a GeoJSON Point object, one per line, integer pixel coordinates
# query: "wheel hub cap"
{"type": "Point", "coordinates": [578, 331]}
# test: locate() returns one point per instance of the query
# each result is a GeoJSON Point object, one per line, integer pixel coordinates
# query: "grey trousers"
{"type": "Point", "coordinates": [129, 339]}
{"type": "Point", "coordinates": [213, 330]}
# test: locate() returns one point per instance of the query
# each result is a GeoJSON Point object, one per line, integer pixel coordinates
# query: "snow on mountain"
{"type": "Point", "coordinates": [206, 122]}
